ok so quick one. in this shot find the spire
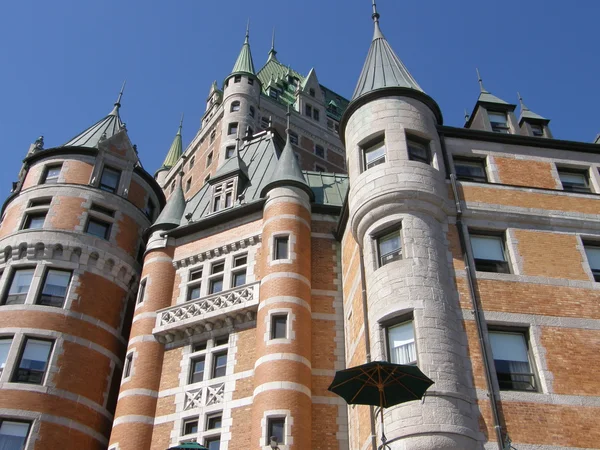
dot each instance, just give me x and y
(486, 96)
(287, 170)
(104, 129)
(176, 149)
(481, 88)
(526, 113)
(382, 68)
(244, 63)
(170, 217)
(272, 52)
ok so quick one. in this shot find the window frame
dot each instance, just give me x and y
(397, 229)
(106, 187)
(128, 366)
(585, 173)
(418, 142)
(221, 192)
(535, 127)
(499, 127)
(192, 372)
(232, 128)
(274, 318)
(53, 179)
(294, 138)
(215, 355)
(19, 421)
(371, 147)
(395, 322)
(479, 162)
(276, 241)
(235, 106)
(47, 270)
(237, 78)
(188, 421)
(596, 246)
(319, 151)
(142, 291)
(269, 428)
(19, 360)
(31, 216)
(96, 220)
(485, 264)
(13, 273)
(239, 269)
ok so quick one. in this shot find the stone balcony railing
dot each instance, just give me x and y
(216, 311)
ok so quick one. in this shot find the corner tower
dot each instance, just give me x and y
(398, 216)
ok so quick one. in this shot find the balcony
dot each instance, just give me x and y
(216, 311)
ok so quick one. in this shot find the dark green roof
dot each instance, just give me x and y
(526, 113)
(105, 128)
(170, 217)
(329, 188)
(244, 63)
(175, 151)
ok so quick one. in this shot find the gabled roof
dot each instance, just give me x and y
(526, 113)
(105, 128)
(175, 151)
(244, 63)
(382, 68)
(487, 97)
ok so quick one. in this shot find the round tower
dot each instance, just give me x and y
(282, 400)
(134, 417)
(397, 213)
(241, 94)
(71, 235)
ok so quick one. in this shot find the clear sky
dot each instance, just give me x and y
(62, 62)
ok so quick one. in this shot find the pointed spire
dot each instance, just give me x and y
(382, 68)
(171, 215)
(244, 63)
(526, 113)
(176, 149)
(117, 104)
(272, 52)
(481, 88)
(485, 95)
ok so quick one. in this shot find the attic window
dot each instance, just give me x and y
(223, 195)
(311, 92)
(499, 122)
(537, 130)
(274, 93)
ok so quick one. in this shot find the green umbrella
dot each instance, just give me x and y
(189, 445)
(380, 383)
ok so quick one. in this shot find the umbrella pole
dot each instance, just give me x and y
(383, 438)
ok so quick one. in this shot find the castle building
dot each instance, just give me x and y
(300, 233)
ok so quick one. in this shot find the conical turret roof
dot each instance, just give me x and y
(175, 151)
(171, 215)
(382, 68)
(244, 63)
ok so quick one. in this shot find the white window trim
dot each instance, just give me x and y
(289, 422)
(291, 247)
(290, 333)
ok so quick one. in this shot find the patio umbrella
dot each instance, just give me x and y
(380, 383)
(188, 445)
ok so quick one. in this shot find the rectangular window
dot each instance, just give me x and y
(274, 93)
(216, 285)
(217, 267)
(195, 274)
(223, 340)
(35, 202)
(293, 137)
(213, 422)
(19, 287)
(276, 430)
(209, 158)
(319, 168)
(142, 292)
(470, 169)
(537, 130)
(51, 174)
(389, 248)
(233, 128)
(150, 209)
(197, 370)
(55, 288)
(109, 181)
(98, 228)
(489, 254)
(264, 122)
(374, 154)
(193, 292)
(511, 359)
(199, 347)
(401, 343)
(279, 326)
(239, 276)
(320, 151)
(213, 443)
(418, 150)
(592, 250)
(574, 180)
(316, 114)
(34, 221)
(250, 80)
(219, 364)
(13, 434)
(281, 247)
(33, 362)
(308, 110)
(188, 184)
(229, 151)
(192, 161)
(228, 199)
(128, 366)
(237, 78)
(217, 203)
(5, 344)
(190, 426)
(102, 210)
(499, 122)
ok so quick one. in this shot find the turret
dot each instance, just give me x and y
(241, 94)
(173, 155)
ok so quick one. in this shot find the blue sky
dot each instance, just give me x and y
(63, 62)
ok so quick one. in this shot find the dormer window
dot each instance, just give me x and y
(311, 91)
(537, 130)
(274, 93)
(499, 122)
(308, 110)
(223, 195)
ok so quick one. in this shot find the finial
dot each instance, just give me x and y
(247, 30)
(272, 52)
(466, 116)
(375, 15)
(180, 124)
(523, 107)
(118, 102)
(481, 88)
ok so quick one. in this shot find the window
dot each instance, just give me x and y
(229, 151)
(5, 344)
(190, 426)
(232, 128)
(316, 114)
(172, 186)
(252, 111)
(35, 202)
(276, 430)
(511, 360)
(537, 129)
(34, 221)
(197, 370)
(237, 78)
(223, 195)
(109, 181)
(389, 248)
(192, 162)
(279, 326)
(250, 80)
(219, 364)
(311, 91)
(264, 122)
(239, 274)
(195, 274)
(19, 286)
(470, 169)
(319, 168)
(374, 154)
(293, 137)
(418, 150)
(215, 286)
(213, 134)
(209, 159)
(401, 343)
(498, 121)
(330, 124)
(235, 106)
(213, 422)
(55, 288)
(51, 174)
(193, 292)
(274, 93)
(13, 434)
(98, 228)
(308, 110)
(320, 151)
(213, 443)
(488, 251)
(33, 362)
(592, 250)
(128, 365)
(574, 180)
(102, 210)
(281, 247)
(188, 184)
(142, 291)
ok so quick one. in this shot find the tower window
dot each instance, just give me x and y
(209, 159)
(219, 364)
(276, 430)
(128, 365)
(252, 111)
(98, 228)
(13, 434)
(279, 326)
(229, 151)
(237, 78)
(293, 137)
(142, 291)
(5, 344)
(235, 106)
(489, 254)
(150, 209)
(250, 80)
(19, 287)
(51, 174)
(308, 110)
(537, 129)
(197, 370)
(213, 134)
(511, 360)
(109, 181)
(281, 247)
(418, 150)
(188, 184)
(470, 169)
(316, 114)
(33, 362)
(311, 91)
(232, 128)
(499, 122)
(34, 221)
(389, 248)
(374, 154)
(401, 343)
(574, 180)
(55, 288)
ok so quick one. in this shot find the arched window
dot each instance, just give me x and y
(252, 111)
(235, 106)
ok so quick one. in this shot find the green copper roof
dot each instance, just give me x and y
(329, 188)
(485, 96)
(244, 63)
(170, 217)
(382, 68)
(175, 151)
(526, 113)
